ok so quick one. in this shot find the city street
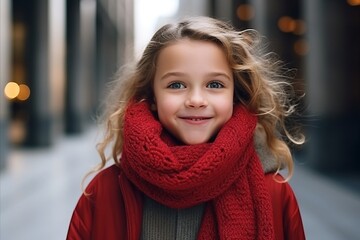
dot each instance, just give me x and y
(40, 188)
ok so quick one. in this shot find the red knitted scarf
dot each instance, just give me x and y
(226, 174)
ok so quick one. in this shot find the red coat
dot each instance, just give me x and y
(103, 215)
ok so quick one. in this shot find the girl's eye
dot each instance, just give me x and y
(176, 85)
(215, 85)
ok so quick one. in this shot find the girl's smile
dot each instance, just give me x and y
(196, 120)
(193, 88)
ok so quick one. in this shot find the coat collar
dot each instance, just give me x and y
(267, 158)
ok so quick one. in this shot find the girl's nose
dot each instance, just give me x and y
(196, 99)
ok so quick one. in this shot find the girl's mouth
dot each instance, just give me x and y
(193, 120)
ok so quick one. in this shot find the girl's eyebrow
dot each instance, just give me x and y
(219, 74)
(176, 74)
(182, 74)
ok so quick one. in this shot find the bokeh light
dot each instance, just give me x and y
(12, 90)
(287, 24)
(245, 12)
(353, 2)
(301, 47)
(24, 93)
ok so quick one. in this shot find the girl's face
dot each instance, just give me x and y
(193, 88)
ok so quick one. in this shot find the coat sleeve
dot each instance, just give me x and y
(84, 218)
(287, 218)
(81, 220)
(100, 212)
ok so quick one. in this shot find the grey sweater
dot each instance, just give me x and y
(161, 222)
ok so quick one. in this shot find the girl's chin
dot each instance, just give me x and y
(195, 140)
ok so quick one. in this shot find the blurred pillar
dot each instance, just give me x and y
(57, 74)
(221, 9)
(266, 20)
(114, 43)
(260, 20)
(5, 46)
(333, 87)
(40, 119)
(124, 23)
(73, 116)
(80, 63)
(106, 51)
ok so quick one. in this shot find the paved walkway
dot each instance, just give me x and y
(40, 188)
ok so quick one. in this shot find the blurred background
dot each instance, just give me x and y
(57, 57)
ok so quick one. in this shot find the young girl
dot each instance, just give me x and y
(196, 132)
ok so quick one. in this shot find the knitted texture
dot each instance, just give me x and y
(225, 173)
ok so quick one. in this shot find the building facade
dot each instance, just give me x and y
(56, 58)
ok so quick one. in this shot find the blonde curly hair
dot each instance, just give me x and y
(260, 84)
